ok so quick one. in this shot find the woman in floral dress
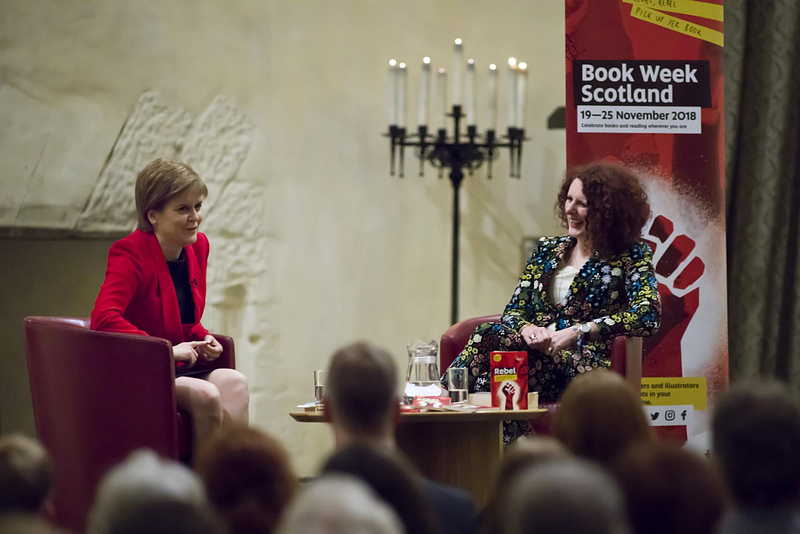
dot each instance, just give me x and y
(591, 285)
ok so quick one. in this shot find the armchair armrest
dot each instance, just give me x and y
(226, 360)
(626, 359)
(633, 362)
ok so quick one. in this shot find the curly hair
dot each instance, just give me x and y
(248, 477)
(618, 206)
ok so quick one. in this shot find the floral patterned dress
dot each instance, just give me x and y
(619, 294)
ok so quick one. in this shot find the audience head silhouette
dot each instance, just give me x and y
(248, 478)
(148, 494)
(756, 439)
(600, 416)
(670, 490)
(391, 478)
(361, 397)
(25, 474)
(565, 497)
(337, 504)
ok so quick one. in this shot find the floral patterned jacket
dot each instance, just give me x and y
(620, 294)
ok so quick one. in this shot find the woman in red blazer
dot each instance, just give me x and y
(156, 285)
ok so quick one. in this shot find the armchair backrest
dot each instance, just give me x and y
(96, 396)
(455, 338)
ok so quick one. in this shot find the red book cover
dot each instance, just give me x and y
(509, 382)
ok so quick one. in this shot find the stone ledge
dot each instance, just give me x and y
(23, 232)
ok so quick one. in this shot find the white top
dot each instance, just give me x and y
(558, 287)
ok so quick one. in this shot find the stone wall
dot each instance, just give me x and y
(279, 106)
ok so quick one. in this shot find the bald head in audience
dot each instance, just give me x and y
(565, 497)
(338, 504)
(146, 493)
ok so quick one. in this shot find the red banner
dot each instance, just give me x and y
(645, 89)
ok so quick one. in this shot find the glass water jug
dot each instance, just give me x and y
(423, 366)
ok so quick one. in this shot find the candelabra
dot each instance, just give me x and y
(458, 153)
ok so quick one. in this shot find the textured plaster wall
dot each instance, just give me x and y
(280, 106)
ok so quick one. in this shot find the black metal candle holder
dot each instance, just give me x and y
(456, 153)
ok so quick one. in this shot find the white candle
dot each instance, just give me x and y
(512, 92)
(470, 93)
(522, 78)
(492, 92)
(424, 89)
(401, 96)
(392, 92)
(455, 79)
(441, 99)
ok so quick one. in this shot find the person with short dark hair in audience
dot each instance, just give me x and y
(756, 440)
(26, 474)
(564, 497)
(600, 416)
(519, 457)
(362, 406)
(392, 479)
(670, 490)
(146, 493)
(248, 477)
(339, 504)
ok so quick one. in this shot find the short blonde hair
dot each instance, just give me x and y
(161, 181)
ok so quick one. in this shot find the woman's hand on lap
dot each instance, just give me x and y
(536, 337)
(187, 352)
(211, 349)
(563, 339)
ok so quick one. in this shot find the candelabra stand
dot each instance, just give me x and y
(456, 153)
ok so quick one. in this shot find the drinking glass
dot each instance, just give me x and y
(457, 383)
(319, 385)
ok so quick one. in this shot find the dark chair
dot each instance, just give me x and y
(97, 396)
(626, 359)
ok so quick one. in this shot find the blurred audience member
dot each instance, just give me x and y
(25, 523)
(149, 494)
(669, 490)
(520, 456)
(248, 477)
(600, 416)
(362, 405)
(756, 439)
(392, 479)
(337, 504)
(565, 497)
(25, 474)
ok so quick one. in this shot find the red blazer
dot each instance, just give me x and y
(138, 296)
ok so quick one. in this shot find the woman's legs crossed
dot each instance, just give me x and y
(234, 393)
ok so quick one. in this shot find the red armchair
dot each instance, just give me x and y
(626, 359)
(97, 396)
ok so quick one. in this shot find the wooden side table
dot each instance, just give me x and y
(458, 449)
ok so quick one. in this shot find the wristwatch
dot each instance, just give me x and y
(585, 331)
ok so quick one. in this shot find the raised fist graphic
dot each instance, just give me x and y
(511, 393)
(678, 271)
